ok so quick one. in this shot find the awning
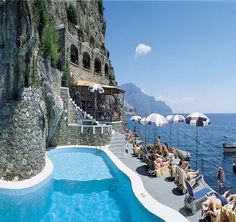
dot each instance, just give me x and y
(108, 90)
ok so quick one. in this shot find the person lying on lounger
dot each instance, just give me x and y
(159, 161)
(189, 174)
(213, 203)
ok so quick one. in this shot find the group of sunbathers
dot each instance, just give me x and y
(158, 155)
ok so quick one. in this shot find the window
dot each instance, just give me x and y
(74, 54)
(86, 60)
(106, 68)
(97, 66)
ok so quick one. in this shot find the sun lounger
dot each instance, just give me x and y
(181, 177)
(173, 173)
(193, 199)
(159, 172)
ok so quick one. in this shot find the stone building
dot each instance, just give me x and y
(83, 50)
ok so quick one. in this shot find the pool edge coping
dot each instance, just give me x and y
(31, 182)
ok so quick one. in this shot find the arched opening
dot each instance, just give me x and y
(74, 54)
(97, 65)
(86, 60)
(106, 68)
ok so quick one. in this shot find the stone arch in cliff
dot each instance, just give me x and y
(74, 55)
(86, 60)
(106, 69)
(97, 65)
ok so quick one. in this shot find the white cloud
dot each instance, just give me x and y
(164, 99)
(188, 98)
(142, 49)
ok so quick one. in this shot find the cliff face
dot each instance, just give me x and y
(33, 58)
(16, 44)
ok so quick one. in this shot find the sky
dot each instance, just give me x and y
(180, 52)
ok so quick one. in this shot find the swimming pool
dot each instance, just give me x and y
(85, 186)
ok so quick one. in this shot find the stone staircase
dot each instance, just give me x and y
(81, 115)
(118, 145)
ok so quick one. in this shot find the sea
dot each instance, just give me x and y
(210, 154)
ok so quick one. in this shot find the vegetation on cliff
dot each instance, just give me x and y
(50, 43)
(65, 74)
(72, 14)
(47, 32)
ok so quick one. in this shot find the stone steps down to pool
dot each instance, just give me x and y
(117, 144)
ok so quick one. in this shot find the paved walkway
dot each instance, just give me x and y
(161, 188)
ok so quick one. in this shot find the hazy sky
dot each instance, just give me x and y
(183, 53)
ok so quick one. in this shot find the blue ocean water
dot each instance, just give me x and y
(85, 186)
(210, 153)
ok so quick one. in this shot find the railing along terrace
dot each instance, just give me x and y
(105, 115)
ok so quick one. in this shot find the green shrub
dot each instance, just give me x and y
(100, 7)
(50, 44)
(72, 15)
(65, 75)
(41, 8)
(87, 29)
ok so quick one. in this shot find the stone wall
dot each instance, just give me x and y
(68, 133)
(80, 73)
(77, 70)
(23, 137)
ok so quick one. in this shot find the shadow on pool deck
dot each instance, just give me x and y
(169, 179)
(177, 192)
(142, 170)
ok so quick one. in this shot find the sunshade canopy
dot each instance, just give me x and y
(108, 90)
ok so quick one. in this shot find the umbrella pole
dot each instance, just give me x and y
(177, 135)
(154, 134)
(170, 134)
(197, 149)
(145, 131)
(95, 104)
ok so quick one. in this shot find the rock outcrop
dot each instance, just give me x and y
(30, 103)
(33, 55)
(142, 103)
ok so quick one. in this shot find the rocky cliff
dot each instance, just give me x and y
(142, 103)
(31, 68)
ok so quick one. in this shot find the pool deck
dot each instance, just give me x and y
(160, 188)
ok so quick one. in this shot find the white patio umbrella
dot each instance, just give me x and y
(175, 119)
(197, 119)
(157, 119)
(96, 88)
(136, 118)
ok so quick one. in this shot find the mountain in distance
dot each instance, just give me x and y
(142, 103)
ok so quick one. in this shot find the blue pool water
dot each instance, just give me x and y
(210, 154)
(85, 186)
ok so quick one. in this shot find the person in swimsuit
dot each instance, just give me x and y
(213, 203)
(220, 177)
